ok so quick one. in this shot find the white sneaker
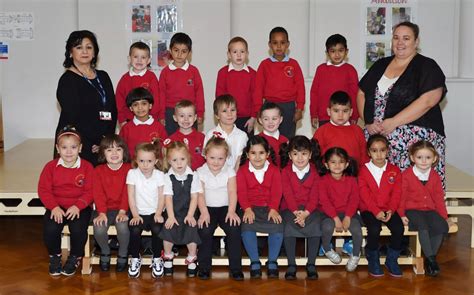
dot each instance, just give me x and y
(157, 269)
(352, 263)
(333, 256)
(134, 268)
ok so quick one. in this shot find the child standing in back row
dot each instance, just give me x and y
(139, 75)
(181, 80)
(334, 75)
(280, 80)
(238, 80)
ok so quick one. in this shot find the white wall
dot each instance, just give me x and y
(28, 80)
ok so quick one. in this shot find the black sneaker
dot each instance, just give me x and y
(55, 265)
(204, 274)
(168, 266)
(71, 265)
(105, 262)
(237, 275)
(192, 268)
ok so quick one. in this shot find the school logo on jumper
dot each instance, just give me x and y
(145, 85)
(79, 180)
(186, 141)
(391, 177)
(289, 71)
(190, 82)
(198, 150)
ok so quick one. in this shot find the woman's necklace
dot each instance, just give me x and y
(89, 73)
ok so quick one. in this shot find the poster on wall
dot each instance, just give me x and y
(17, 26)
(3, 50)
(381, 16)
(154, 22)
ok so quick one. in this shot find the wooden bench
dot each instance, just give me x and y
(414, 257)
(454, 200)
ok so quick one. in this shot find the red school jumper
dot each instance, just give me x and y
(279, 82)
(110, 188)
(275, 144)
(127, 83)
(179, 84)
(338, 196)
(195, 142)
(239, 84)
(386, 197)
(66, 187)
(297, 192)
(134, 134)
(251, 193)
(327, 80)
(350, 137)
(416, 196)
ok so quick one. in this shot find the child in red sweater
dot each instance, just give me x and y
(422, 206)
(339, 132)
(300, 201)
(139, 75)
(111, 199)
(339, 199)
(181, 80)
(238, 80)
(143, 127)
(185, 115)
(334, 75)
(65, 189)
(270, 117)
(259, 191)
(380, 188)
(280, 80)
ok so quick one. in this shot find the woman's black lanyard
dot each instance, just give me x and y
(99, 90)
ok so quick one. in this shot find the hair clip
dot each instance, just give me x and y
(166, 142)
(217, 134)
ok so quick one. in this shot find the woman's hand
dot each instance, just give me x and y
(95, 149)
(100, 220)
(374, 128)
(57, 214)
(274, 216)
(298, 115)
(72, 212)
(232, 218)
(249, 216)
(250, 124)
(388, 125)
(314, 123)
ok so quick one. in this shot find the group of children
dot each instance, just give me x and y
(182, 184)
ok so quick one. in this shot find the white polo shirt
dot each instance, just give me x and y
(195, 184)
(146, 189)
(236, 140)
(215, 186)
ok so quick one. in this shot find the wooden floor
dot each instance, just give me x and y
(24, 270)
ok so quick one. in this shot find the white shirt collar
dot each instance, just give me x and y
(329, 63)
(275, 134)
(184, 176)
(75, 165)
(423, 176)
(300, 173)
(147, 122)
(285, 59)
(259, 173)
(231, 67)
(345, 124)
(132, 73)
(376, 172)
(184, 67)
(224, 134)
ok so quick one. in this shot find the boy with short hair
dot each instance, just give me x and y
(270, 117)
(143, 127)
(334, 75)
(139, 75)
(180, 80)
(280, 80)
(225, 111)
(339, 132)
(238, 80)
(185, 116)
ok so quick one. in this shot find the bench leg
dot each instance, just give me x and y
(472, 230)
(419, 267)
(86, 266)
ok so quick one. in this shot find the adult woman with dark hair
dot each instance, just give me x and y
(86, 95)
(399, 97)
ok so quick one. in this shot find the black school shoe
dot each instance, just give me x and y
(237, 275)
(105, 262)
(204, 274)
(71, 265)
(311, 272)
(432, 267)
(55, 268)
(255, 273)
(272, 273)
(291, 272)
(121, 266)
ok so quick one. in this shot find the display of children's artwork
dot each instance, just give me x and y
(167, 18)
(374, 51)
(141, 18)
(376, 19)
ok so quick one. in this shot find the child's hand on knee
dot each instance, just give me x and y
(170, 222)
(249, 216)
(190, 220)
(338, 224)
(72, 212)
(274, 216)
(232, 218)
(57, 214)
(346, 222)
(121, 216)
(158, 218)
(405, 220)
(136, 220)
(100, 220)
(204, 219)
